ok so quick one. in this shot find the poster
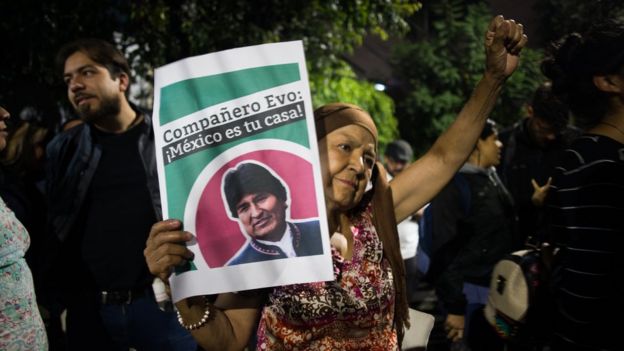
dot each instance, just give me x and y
(238, 163)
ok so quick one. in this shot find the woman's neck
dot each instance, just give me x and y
(341, 237)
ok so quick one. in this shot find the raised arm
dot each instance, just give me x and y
(231, 320)
(423, 179)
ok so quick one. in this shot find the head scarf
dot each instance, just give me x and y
(337, 115)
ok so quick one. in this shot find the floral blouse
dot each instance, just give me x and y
(21, 327)
(353, 312)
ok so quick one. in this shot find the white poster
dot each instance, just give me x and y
(238, 164)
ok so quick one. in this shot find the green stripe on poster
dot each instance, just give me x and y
(191, 95)
(182, 174)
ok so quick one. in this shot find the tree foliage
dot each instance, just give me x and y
(559, 17)
(442, 69)
(32, 32)
(156, 32)
(329, 28)
(345, 87)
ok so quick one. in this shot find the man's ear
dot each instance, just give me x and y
(478, 145)
(611, 83)
(124, 82)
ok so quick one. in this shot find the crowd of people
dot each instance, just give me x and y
(483, 194)
(541, 182)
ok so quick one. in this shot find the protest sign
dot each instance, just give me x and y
(238, 164)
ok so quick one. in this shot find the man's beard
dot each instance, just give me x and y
(109, 106)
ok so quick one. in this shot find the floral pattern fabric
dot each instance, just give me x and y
(21, 327)
(353, 312)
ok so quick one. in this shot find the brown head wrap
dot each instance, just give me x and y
(336, 115)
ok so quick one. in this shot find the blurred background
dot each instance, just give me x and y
(412, 64)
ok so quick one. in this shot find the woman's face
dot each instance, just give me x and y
(347, 158)
(4, 116)
(489, 151)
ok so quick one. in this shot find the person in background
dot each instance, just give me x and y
(103, 196)
(364, 307)
(472, 225)
(397, 156)
(22, 188)
(531, 147)
(22, 180)
(21, 326)
(586, 202)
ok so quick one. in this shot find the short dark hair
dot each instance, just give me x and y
(575, 59)
(98, 50)
(250, 178)
(549, 108)
(488, 129)
(399, 150)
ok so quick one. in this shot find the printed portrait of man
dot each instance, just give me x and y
(258, 200)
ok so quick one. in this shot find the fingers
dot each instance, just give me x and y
(514, 32)
(515, 50)
(163, 258)
(505, 33)
(178, 237)
(495, 22)
(540, 192)
(544, 187)
(517, 39)
(166, 231)
(455, 334)
(168, 225)
(458, 335)
(165, 248)
(509, 33)
(536, 186)
(454, 326)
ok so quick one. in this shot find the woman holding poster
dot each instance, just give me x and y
(364, 307)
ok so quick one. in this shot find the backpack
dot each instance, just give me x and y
(518, 304)
(425, 229)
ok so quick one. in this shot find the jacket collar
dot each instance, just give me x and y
(273, 250)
